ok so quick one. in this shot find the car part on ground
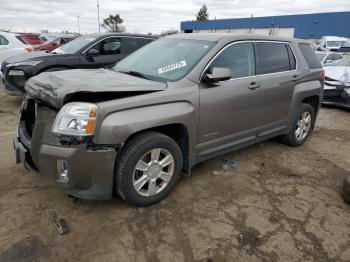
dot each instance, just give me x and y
(172, 104)
(337, 86)
(59, 222)
(110, 48)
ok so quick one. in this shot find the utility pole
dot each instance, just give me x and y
(98, 16)
(78, 24)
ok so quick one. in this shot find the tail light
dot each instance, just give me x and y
(29, 49)
(323, 75)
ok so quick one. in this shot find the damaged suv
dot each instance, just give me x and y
(136, 129)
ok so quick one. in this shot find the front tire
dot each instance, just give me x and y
(302, 126)
(149, 169)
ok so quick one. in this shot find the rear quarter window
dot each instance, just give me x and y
(273, 57)
(310, 56)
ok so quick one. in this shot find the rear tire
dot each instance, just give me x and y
(302, 126)
(345, 190)
(149, 168)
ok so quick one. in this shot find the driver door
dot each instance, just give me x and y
(230, 111)
(110, 53)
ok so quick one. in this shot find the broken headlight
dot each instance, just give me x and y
(75, 119)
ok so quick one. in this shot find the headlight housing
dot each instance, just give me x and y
(75, 119)
(25, 63)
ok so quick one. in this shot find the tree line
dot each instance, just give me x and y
(113, 23)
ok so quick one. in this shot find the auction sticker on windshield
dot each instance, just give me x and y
(168, 68)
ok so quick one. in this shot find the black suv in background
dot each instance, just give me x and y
(89, 51)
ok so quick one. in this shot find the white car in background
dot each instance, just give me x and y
(10, 45)
(328, 58)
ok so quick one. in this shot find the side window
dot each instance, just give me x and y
(330, 57)
(272, 58)
(310, 56)
(338, 56)
(237, 57)
(3, 40)
(292, 61)
(110, 46)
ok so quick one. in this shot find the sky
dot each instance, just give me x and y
(144, 16)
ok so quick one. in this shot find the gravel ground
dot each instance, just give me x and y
(281, 204)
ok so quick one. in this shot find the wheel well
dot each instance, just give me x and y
(178, 132)
(312, 101)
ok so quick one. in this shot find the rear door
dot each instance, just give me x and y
(110, 52)
(277, 75)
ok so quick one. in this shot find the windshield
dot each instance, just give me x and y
(320, 56)
(74, 46)
(345, 62)
(333, 44)
(167, 59)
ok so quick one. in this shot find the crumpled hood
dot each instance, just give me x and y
(54, 87)
(340, 74)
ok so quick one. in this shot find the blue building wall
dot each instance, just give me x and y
(306, 25)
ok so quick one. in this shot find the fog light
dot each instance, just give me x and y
(62, 171)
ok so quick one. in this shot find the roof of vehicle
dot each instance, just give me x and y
(324, 52)
(28, 34)
(219, 36)
(8, 34)
(123, 34)
(331, 38)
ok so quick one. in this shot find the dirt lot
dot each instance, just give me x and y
(281, 204)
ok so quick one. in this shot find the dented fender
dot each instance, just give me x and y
(118, 126)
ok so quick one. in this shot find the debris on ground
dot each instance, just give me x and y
(60, 224)
(294, 174)
(226, 168)
(345, 190)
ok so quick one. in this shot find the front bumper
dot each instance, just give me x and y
(88, 168)
(336, 95)
(14, 83)
(90, 172)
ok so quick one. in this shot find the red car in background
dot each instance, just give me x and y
(53, 44)
(31, 39)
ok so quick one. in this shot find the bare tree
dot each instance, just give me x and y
(113, 23)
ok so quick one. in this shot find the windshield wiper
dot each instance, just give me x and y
(136, 73)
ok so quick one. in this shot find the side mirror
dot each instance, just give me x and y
(93, 52)
(218, 74)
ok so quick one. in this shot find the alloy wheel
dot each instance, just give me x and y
(303, 126)
(153, 172)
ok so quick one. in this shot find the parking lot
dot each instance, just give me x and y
(280, 204)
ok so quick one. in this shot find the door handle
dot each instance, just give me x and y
(253, 86)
